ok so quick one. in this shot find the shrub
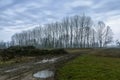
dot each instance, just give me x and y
(17, 51)
(58, 51)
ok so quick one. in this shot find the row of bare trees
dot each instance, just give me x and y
(71, 32)
(4, 45)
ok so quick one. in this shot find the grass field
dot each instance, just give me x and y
(90, 67)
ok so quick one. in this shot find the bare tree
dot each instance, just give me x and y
(71, 32)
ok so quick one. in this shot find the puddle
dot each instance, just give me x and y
(44, 74)
(48, 60)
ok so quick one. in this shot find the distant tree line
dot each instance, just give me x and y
(4, 45)
(71, 32)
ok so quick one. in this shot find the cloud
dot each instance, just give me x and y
(76, 6)
(23, 13)
(6, 36)
(4, 3)
(113, 21)
(20, 28)
(99, 4)
(1, 29)
(76, 3)
(11, 30)
(18, 15)
(106, 6)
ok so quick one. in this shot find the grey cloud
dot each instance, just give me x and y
(20, 14)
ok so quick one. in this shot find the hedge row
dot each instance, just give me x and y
(12, 52)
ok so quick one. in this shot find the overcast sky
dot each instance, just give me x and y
(18, 15)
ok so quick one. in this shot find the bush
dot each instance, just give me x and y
(17, 51)
(21, 47)
(58, 51)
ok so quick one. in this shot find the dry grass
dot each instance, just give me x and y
(15, 61)
(111, 52)
(78, 50)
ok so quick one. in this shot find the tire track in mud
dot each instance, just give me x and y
(26, 72)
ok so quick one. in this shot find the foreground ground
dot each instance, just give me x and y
(90, 67)
(94, 64)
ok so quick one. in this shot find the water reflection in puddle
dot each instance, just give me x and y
(44, 74)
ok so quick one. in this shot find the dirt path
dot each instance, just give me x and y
(26, 71)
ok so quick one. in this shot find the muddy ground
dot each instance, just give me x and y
(27, 70)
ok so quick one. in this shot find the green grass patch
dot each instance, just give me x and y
(89, 67)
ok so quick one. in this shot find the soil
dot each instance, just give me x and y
(27, 70)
